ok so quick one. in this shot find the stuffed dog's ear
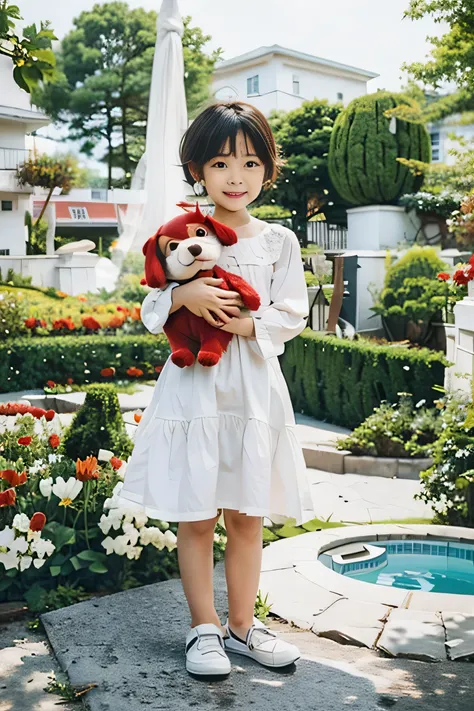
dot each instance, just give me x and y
(225, 234)
(154, 273)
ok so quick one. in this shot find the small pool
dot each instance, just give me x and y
(434, 566)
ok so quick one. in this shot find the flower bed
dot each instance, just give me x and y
(27, 363)
(342, 381)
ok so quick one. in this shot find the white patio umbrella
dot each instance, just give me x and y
(158, 172)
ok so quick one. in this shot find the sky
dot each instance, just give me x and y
(368, 34)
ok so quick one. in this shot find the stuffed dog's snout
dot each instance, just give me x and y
(195, 249)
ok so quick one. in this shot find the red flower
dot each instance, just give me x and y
(464, 275)
(116, 462)
(134, 372)
(54, 441)
(49, 415)
(90, 323)
(159, 368)
(70, 381)
(50, 383)
(120, 308)
(42, 323)
(137, 417)
(17, 408)
(143, 282)
(8, 497)
(37, 521)
(26, 441)
(107, 372)
(13, 477)
(444, 276)
(116, 322)
(30, 322)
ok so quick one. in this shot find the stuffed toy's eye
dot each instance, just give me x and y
(201, 232)
(173, 246)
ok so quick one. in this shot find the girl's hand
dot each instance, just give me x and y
(204, 298)
(240, 327)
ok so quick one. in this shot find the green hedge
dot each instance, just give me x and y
(29, 362)
(342, 381)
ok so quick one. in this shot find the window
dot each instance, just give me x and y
(99, 195)
(435, 146)
(252, 85)
(78, 213)
(7, 205)
(296, 85)
(4, 252)
(340, 96)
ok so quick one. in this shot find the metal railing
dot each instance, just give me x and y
(11, 158)
(327, 236)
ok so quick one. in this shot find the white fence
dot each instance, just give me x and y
(327, 236)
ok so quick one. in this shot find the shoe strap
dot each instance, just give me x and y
(257, 630)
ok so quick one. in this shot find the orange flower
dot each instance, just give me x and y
(107, 372)
(54, 441)
(8, 497)
(87, 469)
(25, 441)
(50, 383)
(13, 477)
(37, 521)
(116, 462)
(116, 321)
(70, 381)
(136, 313)
(134, 372)
(61, 294)
(90, 323)
(159, 368)
(30, 322)
(42, 323)
(81, 297)
(137, 417)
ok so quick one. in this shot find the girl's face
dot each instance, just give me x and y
(233, 182)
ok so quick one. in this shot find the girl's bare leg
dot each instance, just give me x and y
(196, 566)
(243, 559)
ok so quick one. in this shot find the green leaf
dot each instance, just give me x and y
(269, 535)
(45, 55)
(35, 596)
(78, 564)
(98, 568)
(93, 556)
(55, 570)
(67, 568)
(18, 77)
(60, 535)
(5, 583)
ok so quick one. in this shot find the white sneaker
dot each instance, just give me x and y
(261, 644)
(205, 651)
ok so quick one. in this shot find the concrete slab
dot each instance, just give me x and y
(414, 634)
(351, 622)
(459, 634)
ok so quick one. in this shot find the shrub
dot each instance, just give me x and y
(98, 424)
(398, 430)
(29, 362)
(12, 315)
(449, 484)
(130, 289)
(412, 295)
(363, 152)
(342, 381)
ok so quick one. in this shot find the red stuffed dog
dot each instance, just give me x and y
(196, 246)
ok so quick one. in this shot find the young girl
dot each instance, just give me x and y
(223, 437)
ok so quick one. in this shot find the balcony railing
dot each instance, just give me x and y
(11, 158)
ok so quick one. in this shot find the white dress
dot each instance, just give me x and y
(224, 436)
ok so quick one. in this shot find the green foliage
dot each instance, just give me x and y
(130, 289)
(12, 315)
(442, 204)
(303, 187)
(133, 263)
(398, 430)
(412, 295)
(342, 381)
(102, 91)
(270, 212)
(30, 51)
(98, 424)
(261, 607)
(29, 362)
(37, 239)
(449, 484)
(363, 154)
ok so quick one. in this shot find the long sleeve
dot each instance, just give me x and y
(156, 306)
(285, 316)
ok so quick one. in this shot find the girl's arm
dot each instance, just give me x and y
(156, 308)
(285, 316)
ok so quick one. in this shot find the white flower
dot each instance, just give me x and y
(25, 562)
(140, 519)
(53, 458)
(37, 466)
(109, 545)
(406, 367)
(134, 552)
(105, 524)
(67, 490)
(19, 545)
(10, 560)
(45, 486)
(105, 455)
(420, 403)
(170, 540)
(121, 545)
(131, 532)
(7, 536)
(21, 522)
(42, 547)
(38, 562)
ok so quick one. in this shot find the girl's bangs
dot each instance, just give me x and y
(224, 134)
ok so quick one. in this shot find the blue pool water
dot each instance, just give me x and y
(434, 566)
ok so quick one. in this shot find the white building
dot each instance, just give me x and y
(441, 143)
(278, 78)
(17, 118)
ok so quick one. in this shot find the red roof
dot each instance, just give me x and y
(95, 211)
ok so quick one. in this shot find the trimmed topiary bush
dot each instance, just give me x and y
(363, 151)
(98, 424)
(343, 381)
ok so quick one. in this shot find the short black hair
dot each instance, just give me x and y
(207, 136)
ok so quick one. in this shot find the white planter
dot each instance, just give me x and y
(470, 289)
(376, 227)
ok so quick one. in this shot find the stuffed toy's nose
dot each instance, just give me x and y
(195, 249)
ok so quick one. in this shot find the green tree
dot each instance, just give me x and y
(303, 186)
(34, 60)
(48, 172)
(102, 92)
